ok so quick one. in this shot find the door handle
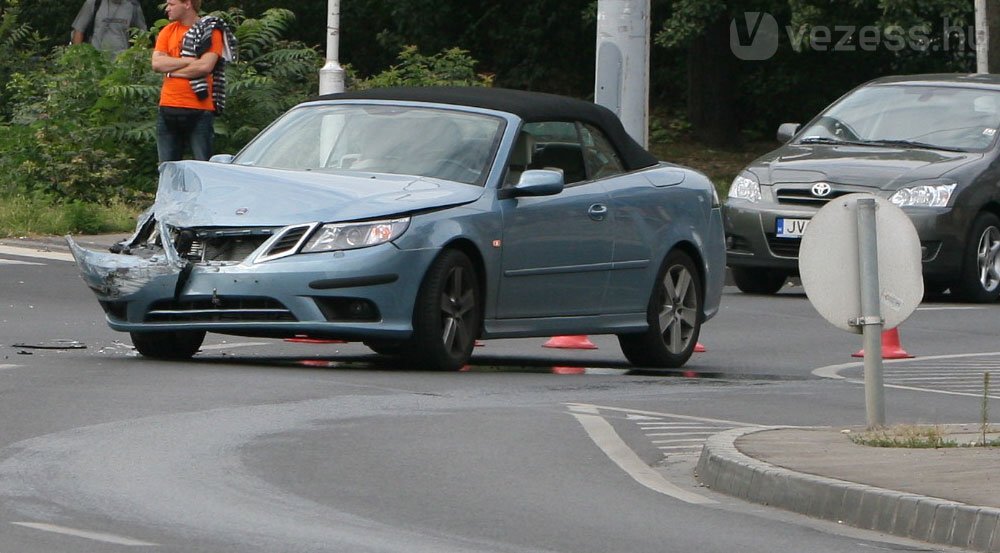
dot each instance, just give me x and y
(597, 212)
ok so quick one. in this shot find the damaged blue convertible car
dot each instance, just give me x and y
(418, 221)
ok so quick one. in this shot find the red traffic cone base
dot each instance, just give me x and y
(891, 348)
(698, 348)
(569, 342)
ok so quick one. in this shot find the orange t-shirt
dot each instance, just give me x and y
(176, 91)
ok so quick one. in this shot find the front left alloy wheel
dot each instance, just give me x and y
(448, 314)
(674, 316)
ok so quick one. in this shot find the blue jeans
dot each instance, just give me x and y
(176, 128)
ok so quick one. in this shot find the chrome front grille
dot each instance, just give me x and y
(804, 196)
(219, 309)
(288, 242)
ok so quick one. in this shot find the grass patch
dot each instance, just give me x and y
(721, 165)
(34, 216)
(926, 437)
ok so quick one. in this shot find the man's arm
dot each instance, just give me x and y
(199, 67)
(82, 21)
(162, 62)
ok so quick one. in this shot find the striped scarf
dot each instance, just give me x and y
(196, 42)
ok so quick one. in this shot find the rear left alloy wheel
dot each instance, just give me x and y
(980, 281)
(174, 344)
(448, 314)
(674, 316)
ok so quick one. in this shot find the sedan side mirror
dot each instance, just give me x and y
(786, 131)
(537, 182)
(221, 158)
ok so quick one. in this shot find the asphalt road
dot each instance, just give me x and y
(266, 445)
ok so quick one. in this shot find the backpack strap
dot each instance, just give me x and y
(88, 33)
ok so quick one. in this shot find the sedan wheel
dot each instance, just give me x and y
(758, 281)
(448, 315)
(674, 316)
(177, 344)
(981, 273)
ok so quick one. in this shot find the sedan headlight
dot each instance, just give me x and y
(745, 187)
(925, 195)
(351, 236)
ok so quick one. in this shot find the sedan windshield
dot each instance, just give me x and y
(933, 117)
(436, 143)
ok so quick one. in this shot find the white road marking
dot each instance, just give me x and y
(945, 376)
(595, 409)
(7, 367)
(95, 536)
(28, 252)
(604, 435)
(14, 262)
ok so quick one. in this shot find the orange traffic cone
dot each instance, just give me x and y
(569, 342)
(891, 348)
(569, 370)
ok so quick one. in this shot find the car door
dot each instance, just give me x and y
(556, 250)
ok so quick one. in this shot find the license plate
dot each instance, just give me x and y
(791, 228)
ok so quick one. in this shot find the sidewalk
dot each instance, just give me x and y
(947, 496)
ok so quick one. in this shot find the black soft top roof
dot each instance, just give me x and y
(529, 106)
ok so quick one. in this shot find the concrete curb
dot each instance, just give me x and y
(724, 468)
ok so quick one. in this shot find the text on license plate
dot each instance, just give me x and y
(791, 228)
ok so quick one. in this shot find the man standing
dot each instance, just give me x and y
(105, 23)
(192, 53)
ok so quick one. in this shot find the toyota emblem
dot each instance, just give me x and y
(821, 189)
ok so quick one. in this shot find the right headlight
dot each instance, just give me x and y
(745, 187)
(925, 195)
(351, 236)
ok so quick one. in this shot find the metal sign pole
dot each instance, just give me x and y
(871, 316)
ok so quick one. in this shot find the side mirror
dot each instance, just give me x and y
(537, 182)
(221, 158)
(786, 131)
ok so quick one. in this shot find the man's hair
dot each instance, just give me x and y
(196, 4)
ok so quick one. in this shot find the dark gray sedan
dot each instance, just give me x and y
(418, 220)
(928, 143)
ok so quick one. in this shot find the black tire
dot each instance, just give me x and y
(448, 314)
(175, 344)
(386, 347)
(752, 280)
(674, 316)
(980, 280)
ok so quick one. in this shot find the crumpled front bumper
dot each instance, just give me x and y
(300, 294)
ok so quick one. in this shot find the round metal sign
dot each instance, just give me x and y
(829, 266)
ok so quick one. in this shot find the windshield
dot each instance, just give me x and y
(424, 142)
(940, 117)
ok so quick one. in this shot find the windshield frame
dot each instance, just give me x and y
(489, 165)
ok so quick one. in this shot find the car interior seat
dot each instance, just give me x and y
(567, 157)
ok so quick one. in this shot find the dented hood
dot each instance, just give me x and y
(198, 193)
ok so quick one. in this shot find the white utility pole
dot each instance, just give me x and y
(982, 38)
(331, 77)
(622, 68)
